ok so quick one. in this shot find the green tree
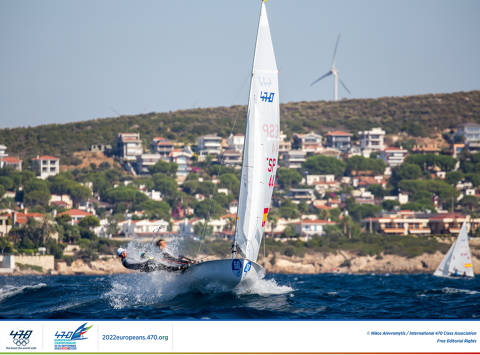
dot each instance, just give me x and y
(453, 177)
(319, 164)
(165, 184)
(6, 246)
(405, 171)
(288, 209)
(89, 222)
(37, 198)
(473, 178)
(78, 193)
(288, 178)
(202, 230)
(163, 167)
(377, 190)
(389, 205)
(360, 211)
(290, 231)
(209, 208)
(469, 203)
(359, 163)
(428, 161)
(230, 182)
(156, 209)
(7, 182)
(125, 194)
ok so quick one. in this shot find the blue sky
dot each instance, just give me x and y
(64, 61)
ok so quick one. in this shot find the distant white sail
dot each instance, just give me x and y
(458, 260)
(260, 154)
(442, 269)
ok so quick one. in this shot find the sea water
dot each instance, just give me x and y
(166, 296)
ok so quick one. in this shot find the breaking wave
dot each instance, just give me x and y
(8, 291)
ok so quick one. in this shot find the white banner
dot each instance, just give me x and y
(382, 337)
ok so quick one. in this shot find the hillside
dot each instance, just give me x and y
(421, 115)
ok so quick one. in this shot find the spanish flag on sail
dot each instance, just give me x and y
(265, 213)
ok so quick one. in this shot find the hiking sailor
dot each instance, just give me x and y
(166, 262)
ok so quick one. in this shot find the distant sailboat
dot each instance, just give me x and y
(458, 260)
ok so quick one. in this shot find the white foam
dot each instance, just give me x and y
(459, 290)
(145, 289)
(158, 287)
(263, 287)
(12, 290)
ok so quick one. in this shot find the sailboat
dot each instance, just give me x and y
(259, 166)
(458, 260)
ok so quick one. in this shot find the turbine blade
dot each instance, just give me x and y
(335, 50)
(322, 77)
(344, 86)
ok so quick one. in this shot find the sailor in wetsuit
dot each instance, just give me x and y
(167, 261)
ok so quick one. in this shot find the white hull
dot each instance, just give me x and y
(225, 273)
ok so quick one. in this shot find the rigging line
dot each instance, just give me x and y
(220, 164)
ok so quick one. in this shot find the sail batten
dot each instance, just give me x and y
(260, 155)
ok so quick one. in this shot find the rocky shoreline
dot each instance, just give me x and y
(313, 263)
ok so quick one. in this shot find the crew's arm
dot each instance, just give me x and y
(142, 266)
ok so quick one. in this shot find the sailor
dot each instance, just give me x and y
(148, 265)
(167, 261)
(169, 258)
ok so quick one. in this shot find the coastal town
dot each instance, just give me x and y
(334, 183)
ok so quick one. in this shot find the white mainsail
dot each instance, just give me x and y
(458, 260)
(260, 153)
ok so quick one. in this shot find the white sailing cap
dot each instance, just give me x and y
(120, 251)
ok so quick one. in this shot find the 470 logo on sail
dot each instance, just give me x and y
(267, 96)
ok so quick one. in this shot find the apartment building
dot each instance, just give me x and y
(46, 165)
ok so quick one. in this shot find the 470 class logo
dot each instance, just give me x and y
(21, 337)
(76, 335)
(67, 340)
(267, 96)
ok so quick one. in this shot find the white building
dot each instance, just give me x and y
(320, 179)
(299, 195)
(182, 158)
(372, 139)
(311, 227)
(284, 146)
(61, 200)
(235, 142)
(3, 151)
(232, 158)
(470, 132)
(209, 145)
(46, 166)
(339, 140)
(129, 145)
(12, 162)
(76, 215)
(146, 161)
(140, 228)
(309, 142)
(162, 146)
(295, 158)
(393, 156)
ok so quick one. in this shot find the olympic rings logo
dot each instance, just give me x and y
(21, 342)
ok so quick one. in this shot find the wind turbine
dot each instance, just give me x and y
(333, 71)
